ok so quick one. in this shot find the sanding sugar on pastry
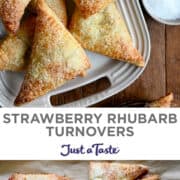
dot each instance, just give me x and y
(13, 49)
(56, 57)
(58, 6)
(116, 171)
(106, 33)
(11, 12)
(89, 7)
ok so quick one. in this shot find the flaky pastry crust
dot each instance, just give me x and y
(56, 57)
(106, 33)
(11, 12)
(58, 6)
(116, 171)
(163, 101)
(88, 8)
(13, 48)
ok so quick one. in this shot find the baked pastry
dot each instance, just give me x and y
(162, 102)
(151, 177)
(11, 12)
(116, 171)
(56, 57)
(106, 33)
(19, 176)
(58, 6)
(88, 8)
(13, 48)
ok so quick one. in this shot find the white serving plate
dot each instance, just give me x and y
(120, 74)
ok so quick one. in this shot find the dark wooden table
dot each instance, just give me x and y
(161, 76)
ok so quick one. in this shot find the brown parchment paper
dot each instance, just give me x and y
(78, 170)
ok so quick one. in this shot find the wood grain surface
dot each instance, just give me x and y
(161, 76)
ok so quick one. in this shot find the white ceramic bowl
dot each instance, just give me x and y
(159, 19)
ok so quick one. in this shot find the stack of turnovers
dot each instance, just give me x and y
(15, 47)
(39, 43)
